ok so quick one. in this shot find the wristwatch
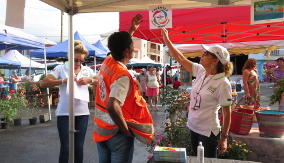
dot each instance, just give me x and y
(225, 136)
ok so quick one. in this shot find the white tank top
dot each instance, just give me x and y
(152, 81)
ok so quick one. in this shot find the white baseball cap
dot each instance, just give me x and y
(221, 52)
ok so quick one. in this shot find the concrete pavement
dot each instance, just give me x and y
(40, 143)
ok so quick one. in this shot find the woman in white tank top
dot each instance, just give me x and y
(152, 87)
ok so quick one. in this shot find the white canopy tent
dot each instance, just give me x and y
(14, 55)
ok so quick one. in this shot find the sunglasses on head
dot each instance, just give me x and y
(78, 60)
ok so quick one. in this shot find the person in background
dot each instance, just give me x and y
(82, 77)
(132, 72)
(277, 73)
(270, 80)
(159, 73)
(142, 80)
(167, 68)
(152, 87)
(210, 91)
(251, 83)
(121, 112)
(134, 76)
(14, 80)
(281, 103)
(27, 76)
(176, 76)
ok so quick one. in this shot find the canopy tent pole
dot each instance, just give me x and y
(70, 84)
(95, 63)
(47, 89)
(164, 71)
(30, 65)
(236, 65)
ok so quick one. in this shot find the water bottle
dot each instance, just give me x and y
(200, 153)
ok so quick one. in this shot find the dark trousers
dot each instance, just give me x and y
(81, 123)
(209, 143)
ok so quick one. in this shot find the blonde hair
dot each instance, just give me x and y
(227, 68)
(80, 48)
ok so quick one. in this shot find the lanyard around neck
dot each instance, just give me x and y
(202, 85)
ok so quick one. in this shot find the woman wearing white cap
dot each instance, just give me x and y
(210, 91)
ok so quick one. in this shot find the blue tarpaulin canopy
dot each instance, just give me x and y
(101, 46)
(61, 49)
(13, 39)
(7, 64)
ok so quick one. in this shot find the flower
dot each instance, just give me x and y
(236, 150)
(162, 86)
(11, 105)
(175, 133)
(33, 105)
(176, 84)
(29, 86)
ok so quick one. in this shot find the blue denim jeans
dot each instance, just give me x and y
(209, 143)
(81, 123)
(118, 149)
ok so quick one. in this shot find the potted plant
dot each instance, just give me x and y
(174, 99)
(236, 150)
(32, 106)
(8, 108)
(20, 103)
(175, 133)
(31, 88)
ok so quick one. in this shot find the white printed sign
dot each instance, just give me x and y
(160, 16)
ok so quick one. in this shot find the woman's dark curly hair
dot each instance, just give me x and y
(280, 59)
(250, 63)
(117, 43)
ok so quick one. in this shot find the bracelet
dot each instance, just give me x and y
(225, 136)
(62, 81)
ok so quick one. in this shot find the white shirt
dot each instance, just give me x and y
(120, 88)
(132, 73)
(80, 107)
(28, 78)
(216, 91)
(152, 81)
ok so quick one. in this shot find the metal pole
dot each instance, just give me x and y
(47, 89)
(165, 74)
(70, 83)
(61, 32)
(95, 63)
(30, 68)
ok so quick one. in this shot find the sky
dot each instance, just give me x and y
(43, 20)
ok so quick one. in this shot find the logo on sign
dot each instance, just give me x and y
(160, 17)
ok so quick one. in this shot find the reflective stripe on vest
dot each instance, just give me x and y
(105, 132)
(105, 117)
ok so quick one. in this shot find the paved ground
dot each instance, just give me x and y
(40, 143)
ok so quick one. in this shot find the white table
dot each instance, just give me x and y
(192, 159)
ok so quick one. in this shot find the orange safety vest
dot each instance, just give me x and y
(135, 111)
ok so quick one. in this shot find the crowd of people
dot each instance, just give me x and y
(121, 111)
